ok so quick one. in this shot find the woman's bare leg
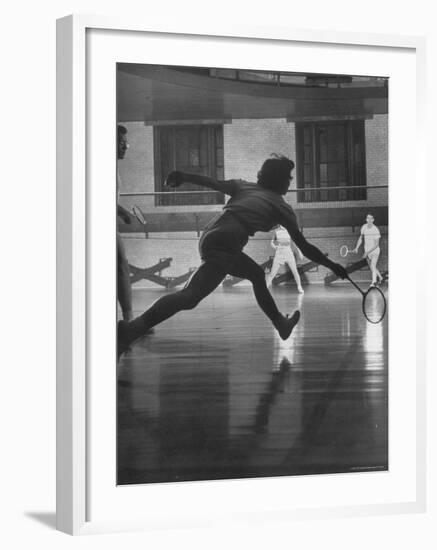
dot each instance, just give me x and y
(207, 277)
(273, 271)
(293, 267)
(246, 268)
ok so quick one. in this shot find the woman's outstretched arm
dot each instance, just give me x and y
(177, 178)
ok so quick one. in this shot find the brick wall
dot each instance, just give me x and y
(377, 152)
(247, 143)
(136, 169)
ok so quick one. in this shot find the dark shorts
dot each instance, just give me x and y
(223, 240)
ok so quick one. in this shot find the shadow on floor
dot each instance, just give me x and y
(46, 518)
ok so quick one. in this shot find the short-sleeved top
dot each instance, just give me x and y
(258, 209)
(371, 236)
(282, 238)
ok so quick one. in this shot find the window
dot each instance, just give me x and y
(197, 149)
(331, 154)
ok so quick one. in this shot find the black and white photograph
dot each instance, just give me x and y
(221, 218)
(252, 273)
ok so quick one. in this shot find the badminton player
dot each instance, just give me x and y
(371, 236)
(252, 207)
(284, 255)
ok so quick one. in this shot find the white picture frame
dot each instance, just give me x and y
(73, 210)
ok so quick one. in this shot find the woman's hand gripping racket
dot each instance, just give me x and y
(374, 304)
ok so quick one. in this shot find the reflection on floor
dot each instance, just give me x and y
(215, 394)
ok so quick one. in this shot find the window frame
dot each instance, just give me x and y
(213, 165)
(322, 193)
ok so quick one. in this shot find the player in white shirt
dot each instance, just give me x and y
(371, 235)
(284, 255)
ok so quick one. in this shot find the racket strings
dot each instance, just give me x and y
(374, 305)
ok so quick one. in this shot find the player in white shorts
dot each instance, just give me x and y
(371, 235)
(284, 255)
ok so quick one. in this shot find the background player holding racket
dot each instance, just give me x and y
(252, 207)
(284, 254)
(371, 235)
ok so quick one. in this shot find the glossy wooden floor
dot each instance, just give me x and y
(215, 394)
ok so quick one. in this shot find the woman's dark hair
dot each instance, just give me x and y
(121, 130)
(275, 173)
